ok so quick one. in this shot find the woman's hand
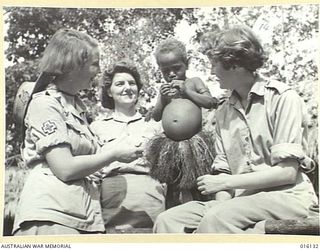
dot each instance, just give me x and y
(210, 184)
(126, 148)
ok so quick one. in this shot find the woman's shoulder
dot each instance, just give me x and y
(278, 90)
(152, 127)
(43, 100)
(278, 86)
(100, 124)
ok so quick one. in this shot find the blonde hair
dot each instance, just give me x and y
(67, 50)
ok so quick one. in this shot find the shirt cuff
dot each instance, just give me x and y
(220, 168)
(283, 151)
(46, 143)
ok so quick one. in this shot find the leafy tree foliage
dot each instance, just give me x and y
(129, 33)
(289, 34)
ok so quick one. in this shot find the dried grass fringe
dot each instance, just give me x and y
(180, 163)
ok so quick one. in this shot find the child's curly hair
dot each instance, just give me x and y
(122, 66)
(237, 46)
(172, 44)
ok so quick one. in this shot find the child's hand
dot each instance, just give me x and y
(179, 85)
(167, 91)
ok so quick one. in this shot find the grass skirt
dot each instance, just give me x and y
(180, 163)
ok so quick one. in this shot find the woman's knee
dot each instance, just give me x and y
(221, 214)
(162, 222)
(165, 216)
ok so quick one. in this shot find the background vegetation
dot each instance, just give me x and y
(289, 33)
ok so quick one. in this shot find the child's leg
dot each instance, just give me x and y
(242, 213)
(176, 219)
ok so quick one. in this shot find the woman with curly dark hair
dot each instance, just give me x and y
(130, 197)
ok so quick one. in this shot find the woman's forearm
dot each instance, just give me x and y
(282, 174)
(68, 167)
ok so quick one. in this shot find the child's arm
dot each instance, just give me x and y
(195, 90)
(158, 108)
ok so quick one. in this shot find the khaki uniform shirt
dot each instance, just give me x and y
(114, 127)
(55, 118)
(270, 129)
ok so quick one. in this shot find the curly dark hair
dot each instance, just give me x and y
(237, 46)
(122, 66)
(169, 45)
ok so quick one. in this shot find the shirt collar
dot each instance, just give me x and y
(70, 103)
(258, 88)
(125, 119)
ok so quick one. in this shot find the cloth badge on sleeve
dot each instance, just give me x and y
(49, 127)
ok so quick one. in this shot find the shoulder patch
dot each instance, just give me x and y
(49, 127)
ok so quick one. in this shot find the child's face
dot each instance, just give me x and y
(172, 66)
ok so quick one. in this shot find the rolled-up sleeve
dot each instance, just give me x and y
(45, 124)
(288, 128)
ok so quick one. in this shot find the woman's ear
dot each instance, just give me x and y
(109, 92)
(238, 68)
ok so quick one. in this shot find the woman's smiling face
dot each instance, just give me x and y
(123, 89)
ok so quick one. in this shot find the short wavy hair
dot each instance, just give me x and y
(237, 46)
(122, 66)
(169, 45)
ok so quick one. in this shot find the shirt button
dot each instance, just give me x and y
(246, 138)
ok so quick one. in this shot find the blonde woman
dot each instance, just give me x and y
(57, 198)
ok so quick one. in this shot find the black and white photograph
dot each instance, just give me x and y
(167, 120)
